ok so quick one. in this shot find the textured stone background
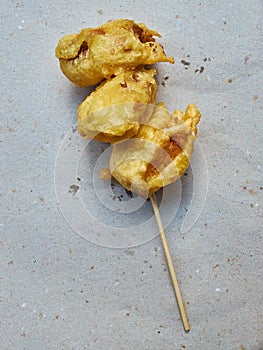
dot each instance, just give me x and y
(58, 290)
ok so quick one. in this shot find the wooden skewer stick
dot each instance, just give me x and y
(170, 265)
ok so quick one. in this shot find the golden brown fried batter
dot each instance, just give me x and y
(115, 110)
(160, 152)
(94, 54)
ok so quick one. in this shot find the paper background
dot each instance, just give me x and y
(59, 291)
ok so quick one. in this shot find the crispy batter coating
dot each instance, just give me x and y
(160, 152)
(97, 53)
(115, 110)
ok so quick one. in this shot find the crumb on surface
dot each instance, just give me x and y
(105, 174)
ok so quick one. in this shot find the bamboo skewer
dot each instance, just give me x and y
(170, 265)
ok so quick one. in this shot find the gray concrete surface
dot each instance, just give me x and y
(59, 290)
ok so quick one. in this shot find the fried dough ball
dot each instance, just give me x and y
(94, 54)
(115, 110)
(160, 152)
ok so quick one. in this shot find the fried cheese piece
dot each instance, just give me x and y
(115, 110)
(160, 152)
(97, 53)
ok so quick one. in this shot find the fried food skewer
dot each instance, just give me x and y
(161, 144)
(170, 265)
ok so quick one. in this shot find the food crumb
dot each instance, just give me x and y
(105, 174)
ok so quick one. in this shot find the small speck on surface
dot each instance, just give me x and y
(73, 189)
(186, 64)
(247, 58)
(129, 193)
(200, 70)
